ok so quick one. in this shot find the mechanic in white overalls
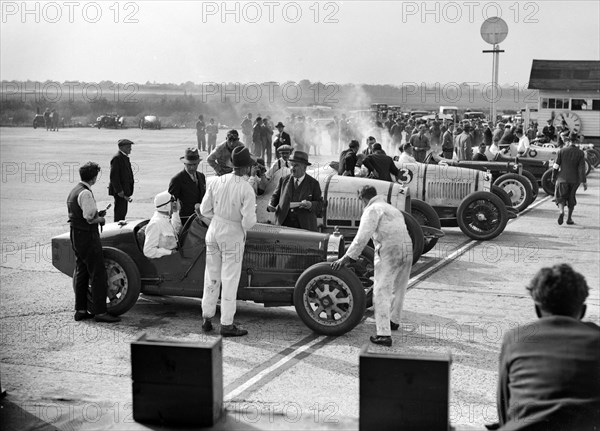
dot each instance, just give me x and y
(231, 204)
(163, 229)
(393, 259)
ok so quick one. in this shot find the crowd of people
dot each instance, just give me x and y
(228, 205)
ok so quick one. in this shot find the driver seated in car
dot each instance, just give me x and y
(163, 229)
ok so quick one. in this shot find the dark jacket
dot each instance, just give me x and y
(285, 194)
(348, 160)
(187, 192)
(283, 139)
(549, 376)
(121, 175)
(381, 165)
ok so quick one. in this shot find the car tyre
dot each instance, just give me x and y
(533, 182)
(328, 301)
(547, 183)
(416, 235)
(482, 216)
(518, 188)
(425, 216)
(124, 281)
(504, 197)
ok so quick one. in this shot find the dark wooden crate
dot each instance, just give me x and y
(404, 392)
(179, 383)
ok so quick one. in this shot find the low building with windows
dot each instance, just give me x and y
(569, 94)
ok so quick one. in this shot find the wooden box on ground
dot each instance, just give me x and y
(177, 383)
(403, 392)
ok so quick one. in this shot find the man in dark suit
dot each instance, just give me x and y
(121, 179)
(297, 201)
(189, 185)
(549, 374)
(283, 138)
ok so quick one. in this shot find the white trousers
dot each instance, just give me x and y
(392, 271)
(224, 254)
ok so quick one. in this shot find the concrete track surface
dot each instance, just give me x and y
(61, 374)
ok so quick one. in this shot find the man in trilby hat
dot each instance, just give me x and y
(230, 203)
(189, 185)
(297, 201)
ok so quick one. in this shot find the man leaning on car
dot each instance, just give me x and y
(84, 219)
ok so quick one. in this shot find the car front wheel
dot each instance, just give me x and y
(330, 302)
(425, 216)
(518, 188)
(547, 183)
(482, 216)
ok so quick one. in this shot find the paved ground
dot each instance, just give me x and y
(58, 373)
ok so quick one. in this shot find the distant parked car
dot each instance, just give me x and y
(110, 120)
(472, 115)
(38, 121)
(150, 122)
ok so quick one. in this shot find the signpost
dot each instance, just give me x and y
(494, 30)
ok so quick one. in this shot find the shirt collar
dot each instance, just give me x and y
(299, 179)
(125, 154)
(376, 199)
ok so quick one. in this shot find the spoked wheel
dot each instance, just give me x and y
(518, 188)
(330, 302)
(482, 216)
(425, 216)
(533, 182)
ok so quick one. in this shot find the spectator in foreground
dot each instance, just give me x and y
(549, 375)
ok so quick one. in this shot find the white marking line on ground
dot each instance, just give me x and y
(465, 248)
(235, 392)
(240, 389)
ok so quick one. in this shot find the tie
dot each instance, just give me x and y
(297, 184)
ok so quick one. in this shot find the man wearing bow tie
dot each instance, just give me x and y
(297, 201)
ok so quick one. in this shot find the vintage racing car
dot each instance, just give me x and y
(39, 121)
(150, 122)
(281, 267)
(110, 120)
(520, 185)
(459, 196)
(343, 209)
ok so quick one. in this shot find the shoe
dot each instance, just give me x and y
(207, 325)
(569, 221)
(232, 331)
(561, 218)
(82, 316)
(394, 326)
(106, 318)
(382, 340)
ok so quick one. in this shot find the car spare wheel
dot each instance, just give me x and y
(330, 302)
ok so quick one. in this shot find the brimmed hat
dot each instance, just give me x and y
(162, 200)
(241, 157)
(122, 142)
(191, 155)
(300, 157)
(280, 124)
(284, 148)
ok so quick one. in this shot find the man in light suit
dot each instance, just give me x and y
(297, 201)
(121, 179)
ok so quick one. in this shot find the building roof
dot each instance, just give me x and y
(580, 75)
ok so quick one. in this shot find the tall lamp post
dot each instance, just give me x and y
(494, 30)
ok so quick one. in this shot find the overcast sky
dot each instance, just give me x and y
(350, 42)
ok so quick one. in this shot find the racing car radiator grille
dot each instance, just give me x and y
(344, 208)
(448, 190)
(280, 256)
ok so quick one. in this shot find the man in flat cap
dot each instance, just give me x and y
(297, 201)
(220, 158)
(189, 185)
(230, 203)
(121, 179)
(282, 138)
